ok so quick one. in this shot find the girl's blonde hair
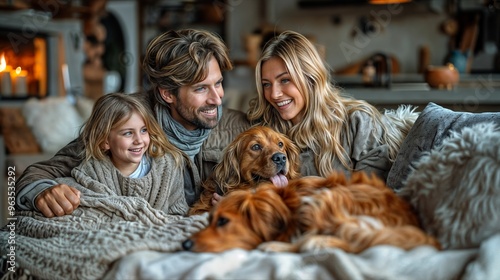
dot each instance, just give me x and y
(111, 111)
(326, 112)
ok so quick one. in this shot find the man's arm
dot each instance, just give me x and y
(37, 190)
(60, 165)
(48, 197)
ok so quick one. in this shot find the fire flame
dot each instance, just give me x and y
(3, 63)
(18, 70)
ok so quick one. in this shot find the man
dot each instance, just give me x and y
(185, 69)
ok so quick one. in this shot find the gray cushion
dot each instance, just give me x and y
(455, 189)
(432, 126)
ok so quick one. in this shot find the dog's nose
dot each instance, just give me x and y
(187, 245)
(279, 159)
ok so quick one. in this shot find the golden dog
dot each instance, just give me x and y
(256, 155)
(312, 213)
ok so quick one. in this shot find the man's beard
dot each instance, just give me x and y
(194, 119)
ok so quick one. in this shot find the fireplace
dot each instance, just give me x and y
(39, 56)
(22, 65)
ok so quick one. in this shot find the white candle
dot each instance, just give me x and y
(5, 82)
(65, 74)
(20, 82)
(6, 85)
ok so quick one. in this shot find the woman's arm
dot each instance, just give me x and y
(364, 143)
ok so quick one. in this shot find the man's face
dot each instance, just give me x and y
(196, 105)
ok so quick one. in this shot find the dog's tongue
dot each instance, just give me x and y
(279, 180)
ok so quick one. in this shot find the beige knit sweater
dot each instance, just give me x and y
(117, 216)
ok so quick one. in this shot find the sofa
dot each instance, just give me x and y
(448, 168)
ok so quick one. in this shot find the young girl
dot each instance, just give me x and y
(126, 154)
(296, 97)
(132, 198)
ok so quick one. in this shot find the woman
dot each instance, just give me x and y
(296, 97)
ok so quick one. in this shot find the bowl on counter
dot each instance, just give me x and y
(442, 77)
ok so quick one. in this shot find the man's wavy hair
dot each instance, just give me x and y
(179, 58)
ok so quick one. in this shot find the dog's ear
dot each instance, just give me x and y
(227, 172)
(289, 197)
(369, 179)
(292, 154)
(337, 178)
(292, 201)
(270, 212)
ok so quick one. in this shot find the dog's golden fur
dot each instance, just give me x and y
(256, 155)
(312, 213)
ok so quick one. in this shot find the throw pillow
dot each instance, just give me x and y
(455, 188)
(434, 124)
(54, 122)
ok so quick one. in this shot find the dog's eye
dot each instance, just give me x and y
(280, 144)
(256, 147)
(222, 221)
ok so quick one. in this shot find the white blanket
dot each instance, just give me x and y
(381, 262)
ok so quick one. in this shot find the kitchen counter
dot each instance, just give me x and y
(474, 93)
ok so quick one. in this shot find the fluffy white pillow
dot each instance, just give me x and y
(54, 122)
(455, 188)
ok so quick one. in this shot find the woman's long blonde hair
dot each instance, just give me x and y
(326, 112)
(111, 111)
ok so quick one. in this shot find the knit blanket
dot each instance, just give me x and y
(162, 187)
(105, 227)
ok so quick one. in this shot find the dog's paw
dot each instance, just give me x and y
(276, 246)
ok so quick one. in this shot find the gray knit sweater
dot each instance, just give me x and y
(117, 216)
